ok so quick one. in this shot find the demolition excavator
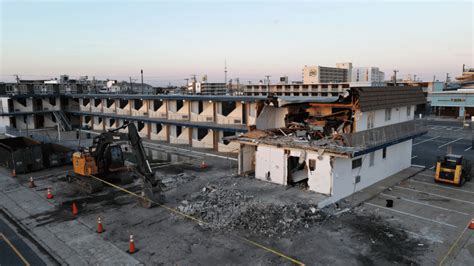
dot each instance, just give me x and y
(105, 160)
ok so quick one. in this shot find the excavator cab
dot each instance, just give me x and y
(453, 169)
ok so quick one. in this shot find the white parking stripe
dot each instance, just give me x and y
(426, 140)
(443, 187)
(432, 194)
(432, 176)
(461, 128)
(432, 167)
(414, 157)
(419, 166)
(449, 142)
(412, 215)
(424, 204)
(468, 148)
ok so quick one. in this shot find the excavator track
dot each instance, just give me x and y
(86, 184)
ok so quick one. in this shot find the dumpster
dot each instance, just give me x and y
(21, 154)
(56, 155)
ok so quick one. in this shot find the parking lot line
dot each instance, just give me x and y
(423, 203)
(412, 215)
(442, 187)
(433, 194)
(468, 148)
(426, 140)
(449, 142)
(426, 175)
(418, 165)
(432, 167)
(14, 249)
(458, 129)
(414, 157)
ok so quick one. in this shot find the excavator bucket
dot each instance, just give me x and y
(150, 196)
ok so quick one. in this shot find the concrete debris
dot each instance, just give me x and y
(174, 181)
(230, 209)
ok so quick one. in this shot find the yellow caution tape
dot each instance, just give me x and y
(199, 221)
(454, 244)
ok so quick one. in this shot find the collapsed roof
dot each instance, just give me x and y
(327, 124)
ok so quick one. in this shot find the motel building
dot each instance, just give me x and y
(333, 145)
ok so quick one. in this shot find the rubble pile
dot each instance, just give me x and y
(230, 209)
(174, 181)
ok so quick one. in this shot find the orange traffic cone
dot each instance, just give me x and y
(100, 228)
(74, 209)
(13, 173)
(131, 245)
(31, 183)
(49, 195)
(203, 165)
(471, 225)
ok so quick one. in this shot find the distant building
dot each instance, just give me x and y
(367, 76)
(296, 89)
(344, 72)
(206, 88)
(320, 74)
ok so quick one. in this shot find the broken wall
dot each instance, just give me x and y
(271, 117)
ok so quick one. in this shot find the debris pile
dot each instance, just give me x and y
(174, 181)
(230, 209)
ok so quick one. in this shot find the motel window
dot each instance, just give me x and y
(388, 114)
(408, 111)
(356, 163)
(370, 119)
(371, 158)
(384, 153)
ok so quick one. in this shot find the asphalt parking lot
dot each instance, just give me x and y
(433, 215)
(435, 212)
(441, 137)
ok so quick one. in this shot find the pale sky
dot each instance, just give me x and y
(172, 40)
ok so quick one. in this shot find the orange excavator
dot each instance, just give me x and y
(104, 160)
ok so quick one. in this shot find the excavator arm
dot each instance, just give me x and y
(151, 187)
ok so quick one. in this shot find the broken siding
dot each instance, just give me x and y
(376, 98)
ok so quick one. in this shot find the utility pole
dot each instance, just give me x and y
(268, 84)
(225, 72)
(238, 85)
(141, 71)
(225, 77)
(395, 77)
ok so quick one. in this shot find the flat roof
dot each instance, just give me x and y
(218, 98)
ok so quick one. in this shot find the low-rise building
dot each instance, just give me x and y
(333, 145)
